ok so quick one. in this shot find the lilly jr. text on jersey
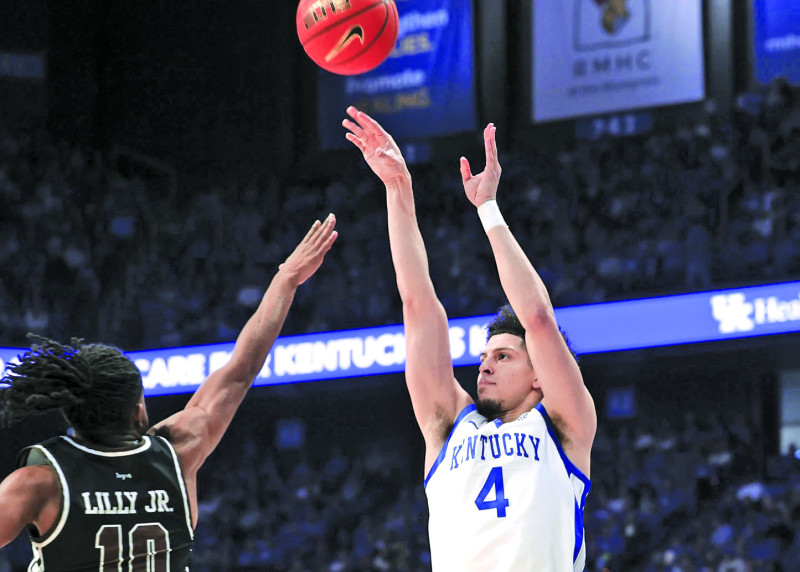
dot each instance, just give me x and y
(125, 502)
(483, 447)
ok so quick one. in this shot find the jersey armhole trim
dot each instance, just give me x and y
(569, 465)
(579, 550)
(53, 533)
(181, 482)
(464, 412)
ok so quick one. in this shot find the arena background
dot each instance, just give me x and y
(190, 99)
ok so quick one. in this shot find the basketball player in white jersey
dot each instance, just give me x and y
(506, 476)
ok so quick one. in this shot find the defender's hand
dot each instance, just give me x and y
(483, 186)
(379, 149)
(308, 256)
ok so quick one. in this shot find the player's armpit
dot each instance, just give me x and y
(566, 397)
(561, 380)
(188, 432)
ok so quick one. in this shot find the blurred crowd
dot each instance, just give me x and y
(676, 484)
(93, 251)
(661, 506)
(681, 495)
(89, 249)
(657, 508)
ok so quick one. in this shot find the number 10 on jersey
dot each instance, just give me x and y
(500, 502)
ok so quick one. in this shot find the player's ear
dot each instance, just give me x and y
(140, 420)
(535, 383)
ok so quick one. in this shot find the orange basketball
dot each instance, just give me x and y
(347, 37)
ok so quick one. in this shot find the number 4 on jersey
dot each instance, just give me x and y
(493, 481)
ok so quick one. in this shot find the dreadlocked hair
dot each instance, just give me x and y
(94, 385)
(507, 322)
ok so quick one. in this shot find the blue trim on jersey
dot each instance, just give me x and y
(579, 531)
(571, 470)
(464, 412)
(569, 465)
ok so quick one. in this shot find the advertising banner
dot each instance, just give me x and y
(594, 328)
(425, 88)
(23, 66)
(599, 56)
(776, 40)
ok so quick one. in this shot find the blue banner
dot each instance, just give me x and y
(776, 40)
(23, 66)
(595, 328)
(425, 88)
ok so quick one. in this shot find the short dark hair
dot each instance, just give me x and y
(95, 385)
(507, 322)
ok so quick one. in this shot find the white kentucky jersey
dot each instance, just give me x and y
(505, 497)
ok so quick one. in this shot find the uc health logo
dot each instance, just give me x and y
(735, 313)
(601, 24)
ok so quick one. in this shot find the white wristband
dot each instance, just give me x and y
(490, 215)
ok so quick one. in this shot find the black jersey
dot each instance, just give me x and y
(121, 510)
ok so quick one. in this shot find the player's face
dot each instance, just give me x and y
(505, 374)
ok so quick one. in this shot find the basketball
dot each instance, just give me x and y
(347, 37)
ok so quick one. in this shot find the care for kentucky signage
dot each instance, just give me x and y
(593, 328)
(309, 357)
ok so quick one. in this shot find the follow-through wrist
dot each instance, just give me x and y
(490, 215)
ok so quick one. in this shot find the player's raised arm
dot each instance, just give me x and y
(435, 394)
(197, 430)
(565, 395)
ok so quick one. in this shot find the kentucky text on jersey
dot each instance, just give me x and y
(505, 444)
(124, 502)
(510, 500)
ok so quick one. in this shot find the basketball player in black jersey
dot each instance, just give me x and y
(120, 494)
